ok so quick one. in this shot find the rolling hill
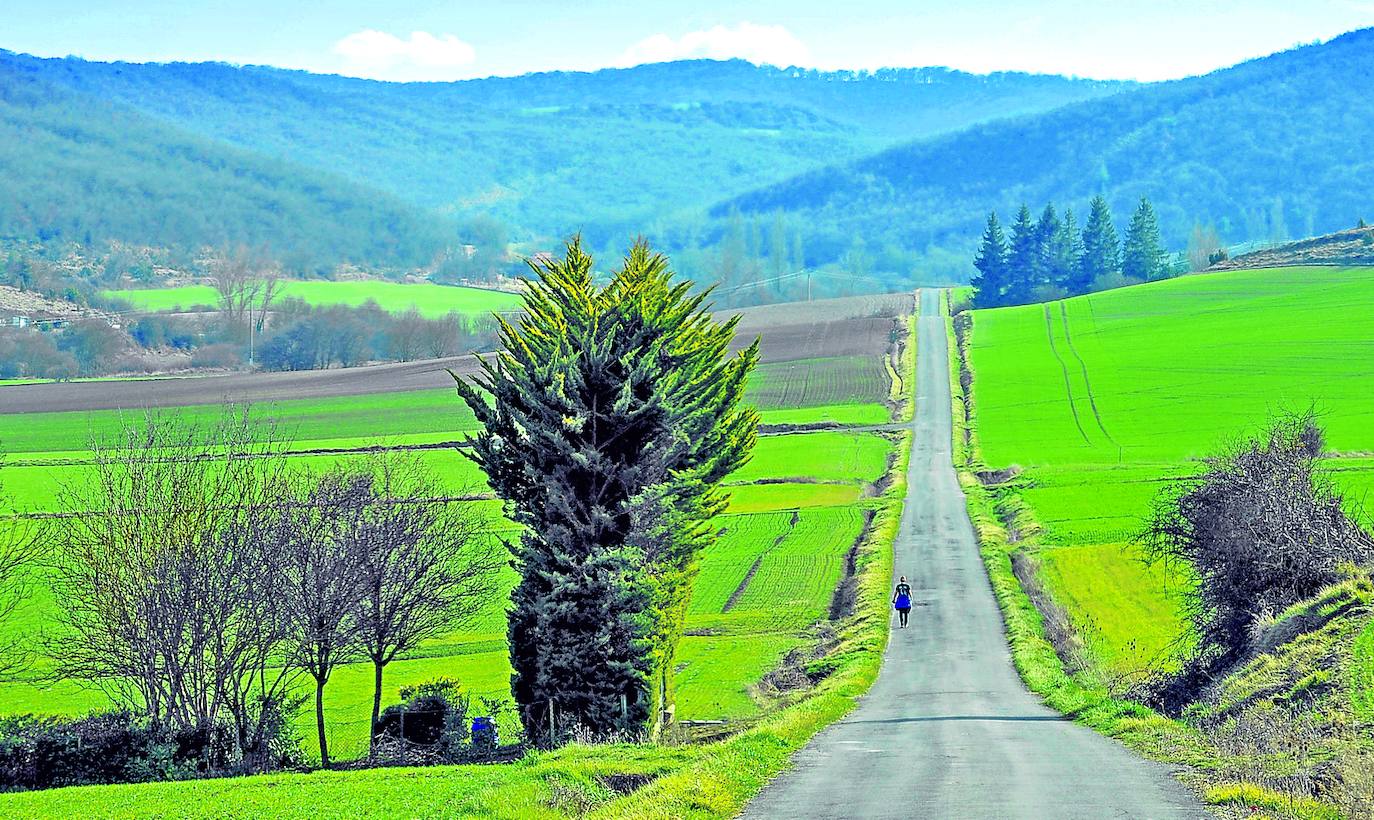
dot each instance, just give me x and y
(1272, 148)
(78, 168)
(609, 152)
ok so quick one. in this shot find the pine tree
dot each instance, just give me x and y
(609, 419)
(1022, 261)
(1046, 231)
(991, 263)
(1067, 250)
(1142, 256)
(1101, 250)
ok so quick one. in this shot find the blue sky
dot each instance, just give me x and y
(455, 39)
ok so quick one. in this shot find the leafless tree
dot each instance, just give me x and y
(319, 530)
(167, 582)
(20, 546)
(406, 336)
(246, 282)
(445, 336)
(427, 567)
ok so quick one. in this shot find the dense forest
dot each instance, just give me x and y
(79, 169)
(1270, 149)
(612, 153)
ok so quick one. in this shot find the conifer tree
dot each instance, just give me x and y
(991, 262)
(1142, 255)
(1021, 264)
(1046, 230)
(1066, 251)
(1101, 250)
(610, 417)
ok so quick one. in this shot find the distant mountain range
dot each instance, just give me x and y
(610, 153)
(891, 171)
(1274, 148)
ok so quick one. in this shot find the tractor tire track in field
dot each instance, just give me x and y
(949, 730)
(1068, 385)
(1087, 383)
(758, 562)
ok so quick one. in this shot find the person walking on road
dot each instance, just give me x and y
(901, 600)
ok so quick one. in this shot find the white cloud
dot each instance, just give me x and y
(774, 45)
(423, 56)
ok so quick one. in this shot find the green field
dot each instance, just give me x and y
(430, 300)
(1104, 398)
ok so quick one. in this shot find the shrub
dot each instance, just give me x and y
(433, 715)
(112, 747)
(1261, 530)
(222, 355)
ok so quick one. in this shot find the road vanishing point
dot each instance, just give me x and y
(949, 730)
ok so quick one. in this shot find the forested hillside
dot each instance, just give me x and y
(1270, 149)
(76, 168)
(611, 153)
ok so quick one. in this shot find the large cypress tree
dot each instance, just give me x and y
(1101, 250)
(991, 263)
(1142, 256)
(610, 416)
(1022, 262)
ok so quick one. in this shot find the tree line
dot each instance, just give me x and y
(1049, 258)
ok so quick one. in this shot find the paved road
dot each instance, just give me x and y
(949, 730)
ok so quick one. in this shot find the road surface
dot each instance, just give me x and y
(948, 730)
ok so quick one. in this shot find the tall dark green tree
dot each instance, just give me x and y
(991, 262)
(1023, 261)
(1066, 249)
(1047, 228)
(1142, 255)
(1101, 249)
(609, 419)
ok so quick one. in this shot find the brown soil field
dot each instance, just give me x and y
(1352, 247)
(849, 326)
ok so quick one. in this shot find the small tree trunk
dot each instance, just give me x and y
(376, 704)
(319, 723)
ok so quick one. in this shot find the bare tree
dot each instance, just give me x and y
(246, 283)
(167, 582)
(319, 531)
(445, 336)
(426, 567)
(20, 545)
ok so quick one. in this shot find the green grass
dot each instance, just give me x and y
(1105, 398)
(1116, 605)
(430, 300)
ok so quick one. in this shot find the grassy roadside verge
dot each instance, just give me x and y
(1078, 697)
(1277, 728)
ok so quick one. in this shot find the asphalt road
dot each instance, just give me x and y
(949, 730)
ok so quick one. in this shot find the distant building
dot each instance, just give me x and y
(19, 321)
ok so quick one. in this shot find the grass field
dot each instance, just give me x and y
(1104, 398)
(430, 300)
(798, 508)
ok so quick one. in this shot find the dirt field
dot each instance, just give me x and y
(851, 326)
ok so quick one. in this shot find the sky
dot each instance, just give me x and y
(405, 40)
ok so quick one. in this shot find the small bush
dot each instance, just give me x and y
(113, 747)
(217, 356)
(433, 716)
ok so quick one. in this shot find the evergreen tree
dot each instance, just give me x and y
(1142, 256)
(1022, 261)
(1066, 251)
(609, 419)
(1047, 229)
(1101, 250)
(991, 263)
